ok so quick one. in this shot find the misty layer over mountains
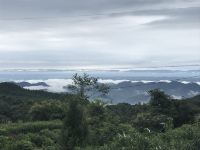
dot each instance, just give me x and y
(125, 91)
(130, 86)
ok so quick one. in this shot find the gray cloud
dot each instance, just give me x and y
(37, 9)
(179, 17)
(32, 8)
(37, 33)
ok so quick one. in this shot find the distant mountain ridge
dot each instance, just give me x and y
(126, 91)
(11, 90)
(27, 84)
(129, 91)
(137, 92)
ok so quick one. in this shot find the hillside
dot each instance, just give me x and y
(124, 91)
(14, 91)
(39, 120)
(15, 102)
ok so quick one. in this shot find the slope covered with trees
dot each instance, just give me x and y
(38, 120)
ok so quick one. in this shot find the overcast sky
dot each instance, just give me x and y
(99, 33)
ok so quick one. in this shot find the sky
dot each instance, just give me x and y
(99, 33)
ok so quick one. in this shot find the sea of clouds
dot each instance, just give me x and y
(59, 85)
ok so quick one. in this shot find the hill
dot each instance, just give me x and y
(31, 120)
(125, 91)
(13, 90)
(15, 101)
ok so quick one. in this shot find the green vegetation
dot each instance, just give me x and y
(37, 120)
(82, 84)
(74, 130)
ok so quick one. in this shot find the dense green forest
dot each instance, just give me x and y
(38, 120)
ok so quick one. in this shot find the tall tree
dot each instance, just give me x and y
(161, 102)
(75, 129)
(83, 84)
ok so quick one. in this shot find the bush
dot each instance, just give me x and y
(153, 122)
(33, 127)
(47, 110)
(21, 145)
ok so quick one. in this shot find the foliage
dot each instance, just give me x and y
(31, 136)
(152, 122)
(28, 127)
(183, 138)
(15, 102)
(74, 131)
(84, 84)
(47, 110)
(160, 102)
(161, 124)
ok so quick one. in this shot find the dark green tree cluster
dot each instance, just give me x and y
(47, 110)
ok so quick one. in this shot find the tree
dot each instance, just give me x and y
(23, 145)
(84, 84)
(96, 112)
(153, 122)
(75, 129)
(47, 110)
(161, 102)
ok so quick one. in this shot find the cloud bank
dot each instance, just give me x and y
(94, 33)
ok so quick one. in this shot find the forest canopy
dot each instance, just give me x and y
(39, 120)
